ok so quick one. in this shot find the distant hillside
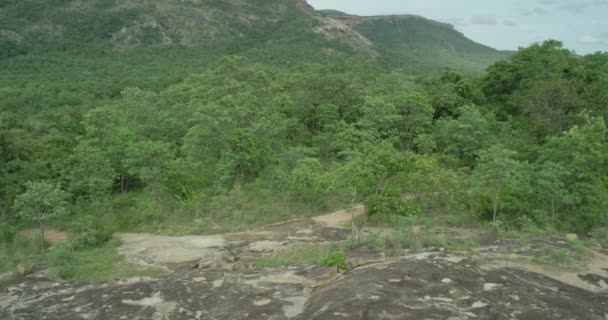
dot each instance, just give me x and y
(279, 31)
(418, 44)
(332, 13)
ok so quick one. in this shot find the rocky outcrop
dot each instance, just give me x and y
(215, 277)
(421, 286)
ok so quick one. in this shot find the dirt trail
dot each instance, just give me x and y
(340, 218)
(50, 235)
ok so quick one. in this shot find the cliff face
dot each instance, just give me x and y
(304, 6)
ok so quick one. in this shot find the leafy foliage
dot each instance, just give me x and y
(193, 146)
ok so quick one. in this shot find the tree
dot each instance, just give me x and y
(246, 156)
(107, 129)
(550, 186)
(41, 202)
(376, 179)
(552, 106)
(399, 117)
(465, 136)
(537, 62)
(91, 174)
(583, 153)
(495, 171)
(307, 182)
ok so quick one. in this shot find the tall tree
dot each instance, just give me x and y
(41, 202)
(464, 136)
(551, 187)
(495, 170)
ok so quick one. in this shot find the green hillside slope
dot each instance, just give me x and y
(271, 31)
(417, 44)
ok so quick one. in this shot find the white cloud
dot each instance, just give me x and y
(575, 6)
(510, 23)
(484, 20)
(587, 39)
(456, 21)
(541, 11)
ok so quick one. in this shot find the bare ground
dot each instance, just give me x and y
(214, 277)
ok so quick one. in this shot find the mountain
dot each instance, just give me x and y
(417, 44)
(279, 31)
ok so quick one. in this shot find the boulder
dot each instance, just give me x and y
(222, 261)
(362, 257)
(24, 269)
(265, 246)
(571, 237)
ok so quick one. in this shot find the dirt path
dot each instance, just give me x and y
(340, 218)
(50, 235)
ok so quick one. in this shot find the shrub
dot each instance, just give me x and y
(7, 232)
(62, 260)
(336, 258)
(87, 233)
(601, 235)
(375, 241)
(21, 249)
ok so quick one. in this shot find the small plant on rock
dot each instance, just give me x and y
(335, 259)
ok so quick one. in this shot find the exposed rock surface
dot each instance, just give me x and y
(494, 282)
(413, 287)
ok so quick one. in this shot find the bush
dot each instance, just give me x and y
(391, 204)
(21, 249)
(87, 233)
(375, 241)
(601, 235)
(296, 256)
(335, 259)
(7, 232)
(578, 248)
(308, 183)
(62, 260)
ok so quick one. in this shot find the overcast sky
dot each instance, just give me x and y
(503, 24)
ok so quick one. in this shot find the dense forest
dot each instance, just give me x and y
(243, 143)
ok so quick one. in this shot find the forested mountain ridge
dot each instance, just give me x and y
(409, 38)
(234, 26)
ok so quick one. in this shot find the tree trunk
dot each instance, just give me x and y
(553, 211)
(495, 206)
(4, 241)
(42, 237)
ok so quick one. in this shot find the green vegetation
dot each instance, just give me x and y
(165, 40)
(575, 252)
(40, 203)
(244, 143)
(95, 264)
(601, 236)
(73, 261)
(320, 254)
(161, 128)
(20, 249)
(336, 258)
(416, 44)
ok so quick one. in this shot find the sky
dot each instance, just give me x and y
(503, 24)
